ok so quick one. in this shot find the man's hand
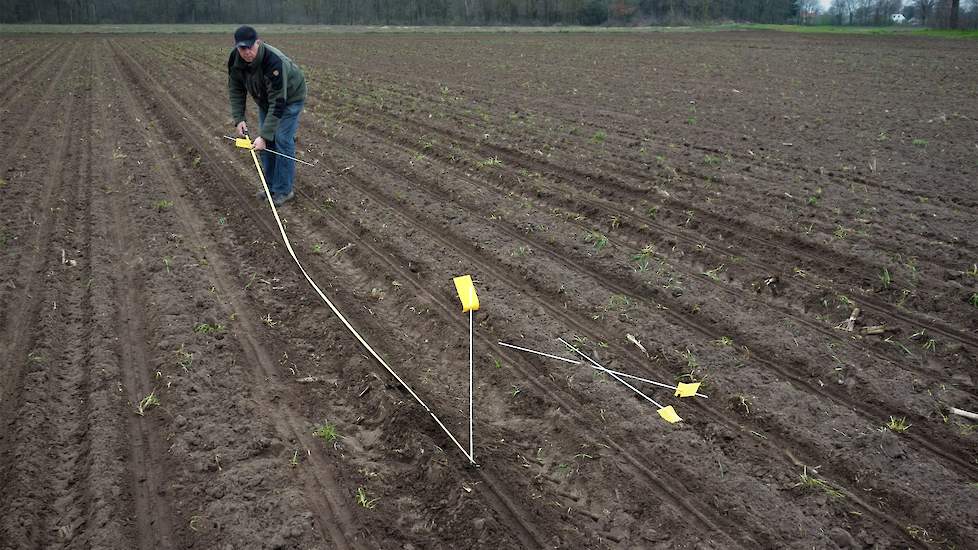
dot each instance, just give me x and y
(258, 144)
(242, 128)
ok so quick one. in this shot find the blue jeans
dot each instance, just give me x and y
(280, 171)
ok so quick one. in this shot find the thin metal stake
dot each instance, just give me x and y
(471, 407)
(619, 373)
(620, 379)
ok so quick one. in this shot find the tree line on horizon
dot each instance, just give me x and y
(467, 12)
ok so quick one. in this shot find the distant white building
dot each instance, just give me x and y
(898, 18)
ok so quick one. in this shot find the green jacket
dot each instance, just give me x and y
(272, 80)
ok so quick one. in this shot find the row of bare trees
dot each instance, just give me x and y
(946, 14)
(938, 13)
(398, 12)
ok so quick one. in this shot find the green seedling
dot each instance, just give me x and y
(615, 222)
(724, 341)
(497, 363)
(919, 142)
(597, 240)
(644, 257)
(521, 251)
(599, 137)
(619, 302)
(841, 232)
(652, 212)
(898, 425)
(364, 500)
(973, 272)
(710, 160)
(885, 278)
(328, 204)
(269, 322)
(167, 262)
(149, 401)
(207, 328)
(715, 272)
(163, 204)
(185, 359)
(515, 391)
(317, 248)
(973, 300)
(811, 482)
(813, 199)
(491, 162)
(294, 461)
(327, 432)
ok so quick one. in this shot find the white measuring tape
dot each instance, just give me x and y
(375, 355)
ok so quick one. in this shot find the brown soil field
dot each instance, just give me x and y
(724, 199)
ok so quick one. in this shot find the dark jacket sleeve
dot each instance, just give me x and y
(274, 69)
(237, 95)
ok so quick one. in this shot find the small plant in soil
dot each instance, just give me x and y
(919, 142)
(599, 137)
(714, 273)
(497, 363)
(163, 204)
(619, 302)
(294, 461)
(167, 262)
(521, 252)
(811, 482)
(145, 403)
(652, 212)
(268, 321)
(207, 328)
(898, 425)
(813, 199)
(492, 162)
(327, 432)
(515, 391)
(364, 500)
(973, 300)
(317, 248)
(596, 239)
(185, 359)
(724, 341)
(885, 279)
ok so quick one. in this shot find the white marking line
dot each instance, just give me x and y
(619, 373)
(539, 353)
(599, 367)
(379, 359)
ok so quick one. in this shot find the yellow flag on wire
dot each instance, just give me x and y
(244, 143)
(669, 414)
(687, 390)
(466, 293)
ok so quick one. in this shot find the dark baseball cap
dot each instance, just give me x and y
(245, 37)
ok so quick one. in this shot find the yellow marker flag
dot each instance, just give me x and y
(244, 143)
(466, 293)
(669, 414)
(687, 390)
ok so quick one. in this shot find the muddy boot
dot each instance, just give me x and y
(279, 200)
